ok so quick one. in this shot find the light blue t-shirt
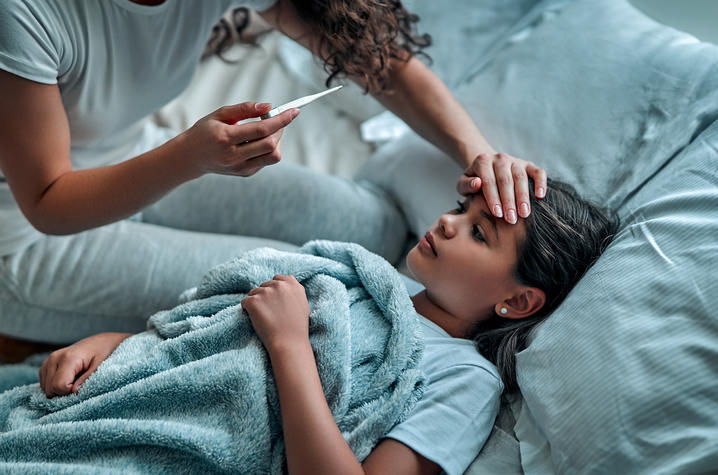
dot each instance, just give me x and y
(115, 62)
(454, 417)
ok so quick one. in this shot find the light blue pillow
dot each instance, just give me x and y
(623, 377)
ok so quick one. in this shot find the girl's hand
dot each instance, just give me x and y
(66, 369)
(216, 144)
(279, 312)
(504, 181)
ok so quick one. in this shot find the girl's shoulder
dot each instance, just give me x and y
(456, 413)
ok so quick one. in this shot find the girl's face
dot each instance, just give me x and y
(465, 261)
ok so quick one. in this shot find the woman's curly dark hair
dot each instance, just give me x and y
(360, 38)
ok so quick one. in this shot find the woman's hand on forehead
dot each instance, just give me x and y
(504, 182)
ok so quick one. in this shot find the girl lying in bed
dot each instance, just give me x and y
(487, 285)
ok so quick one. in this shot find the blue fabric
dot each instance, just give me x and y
(195, 392)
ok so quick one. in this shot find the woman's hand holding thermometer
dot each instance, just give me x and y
(218, 144)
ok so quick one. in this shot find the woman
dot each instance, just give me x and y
(90, 186)
(485, 280)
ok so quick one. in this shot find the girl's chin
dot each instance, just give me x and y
(411, 257)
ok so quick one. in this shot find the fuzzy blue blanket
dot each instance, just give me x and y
(195, 393)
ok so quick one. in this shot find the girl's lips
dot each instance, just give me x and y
(428, 242)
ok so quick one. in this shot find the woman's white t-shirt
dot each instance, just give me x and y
(115, 62)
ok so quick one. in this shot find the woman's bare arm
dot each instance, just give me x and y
(422, 100)
(417, 95)
(35, 159)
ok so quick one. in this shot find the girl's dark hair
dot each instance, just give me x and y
(565, 235)
(360, 38)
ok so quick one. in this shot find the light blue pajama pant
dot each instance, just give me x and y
(63, 288)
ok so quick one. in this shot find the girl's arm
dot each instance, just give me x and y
(55, 199)
(64, 371)
(280, 314)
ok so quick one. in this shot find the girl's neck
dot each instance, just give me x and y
(429, 310)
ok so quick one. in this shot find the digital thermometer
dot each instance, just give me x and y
(297, 103)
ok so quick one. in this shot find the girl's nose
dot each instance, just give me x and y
(447, 225)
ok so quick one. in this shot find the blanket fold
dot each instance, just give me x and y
(196, 393)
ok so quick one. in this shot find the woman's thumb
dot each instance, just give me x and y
(468, 184)
(245, 110)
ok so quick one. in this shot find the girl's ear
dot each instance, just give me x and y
(526, 302)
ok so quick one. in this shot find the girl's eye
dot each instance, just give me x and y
(476, 232)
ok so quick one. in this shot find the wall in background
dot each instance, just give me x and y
(697, 17)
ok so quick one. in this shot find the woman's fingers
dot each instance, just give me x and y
(489, 184)
(539, 177)
(259, 147)
(251, 157)
(468, 185)
(505, 183)
(503, 180)
(246, 110)
(253, 165)
(252, 131)
(521, 190)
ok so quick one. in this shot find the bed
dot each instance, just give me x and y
(623, 377)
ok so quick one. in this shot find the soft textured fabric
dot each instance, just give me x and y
(195, 392)
(114, 62)
(63, 288)
(459, 405)
(622, 377)
(461, 395)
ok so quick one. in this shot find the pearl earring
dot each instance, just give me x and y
(504, 310)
